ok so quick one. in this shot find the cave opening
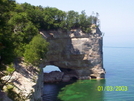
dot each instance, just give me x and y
(74, 78)
(93, 77)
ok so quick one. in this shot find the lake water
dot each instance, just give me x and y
(118, 83)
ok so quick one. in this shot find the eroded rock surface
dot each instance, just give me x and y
(75, 50)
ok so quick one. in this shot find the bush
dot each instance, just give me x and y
(10, 69)
(36, 50)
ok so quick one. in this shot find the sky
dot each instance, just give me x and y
(50, 68)
(116, 17)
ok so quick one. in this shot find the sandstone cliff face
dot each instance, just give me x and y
(76, 52)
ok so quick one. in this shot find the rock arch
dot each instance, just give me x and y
(74, 52)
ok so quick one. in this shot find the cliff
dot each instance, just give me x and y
(76, 52)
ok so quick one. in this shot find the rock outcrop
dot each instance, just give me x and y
(21, 83)
(76, 52)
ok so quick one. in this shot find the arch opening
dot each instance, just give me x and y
(50, 68)
(54, 73)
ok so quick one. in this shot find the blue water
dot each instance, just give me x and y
(119, 66)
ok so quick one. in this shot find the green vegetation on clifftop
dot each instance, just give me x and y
(19, 23)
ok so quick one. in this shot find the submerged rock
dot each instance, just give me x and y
(66, 78)
(54, 76)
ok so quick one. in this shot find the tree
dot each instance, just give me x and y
(23, 32)
(6, 7)
(82, 19)
(36, 50)
(72, 19)
(85, 22)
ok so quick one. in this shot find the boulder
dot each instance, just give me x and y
(54, 76)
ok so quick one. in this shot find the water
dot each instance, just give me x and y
(119, 66)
